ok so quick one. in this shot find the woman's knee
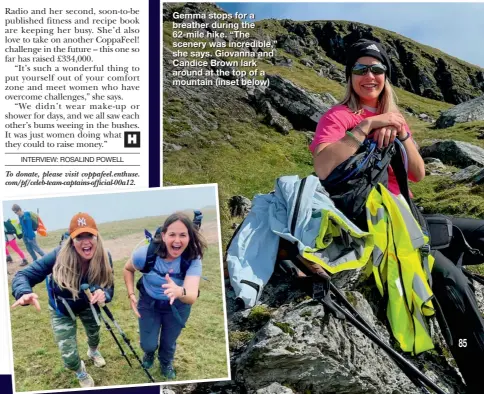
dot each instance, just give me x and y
(148, 333)
(148, 341)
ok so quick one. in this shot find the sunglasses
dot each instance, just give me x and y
(82, 237)
(362, 69)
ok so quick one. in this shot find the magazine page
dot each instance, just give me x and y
(74, 96)
(78, 84)
(312, 118)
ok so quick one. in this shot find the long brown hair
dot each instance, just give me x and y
(196, 244)
(67, 272)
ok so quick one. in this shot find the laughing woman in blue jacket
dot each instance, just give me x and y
(81, 259)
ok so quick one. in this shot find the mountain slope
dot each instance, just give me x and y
(215, 134)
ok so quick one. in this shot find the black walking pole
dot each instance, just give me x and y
(126, 339)
(86, 290)
(316, 271)
(121, 332)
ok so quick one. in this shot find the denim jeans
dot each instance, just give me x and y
(32, 247)
(156, 316)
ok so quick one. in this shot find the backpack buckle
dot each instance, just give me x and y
(425, 250)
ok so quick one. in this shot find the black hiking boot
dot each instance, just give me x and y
(24, 263)
(148, 360)
(9, 259)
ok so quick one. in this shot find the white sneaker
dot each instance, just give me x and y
(96, 357)
(85, 380)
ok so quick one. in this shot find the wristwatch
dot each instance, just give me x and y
(184, 292)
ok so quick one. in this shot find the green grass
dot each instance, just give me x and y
(466, 132)
(201, 348)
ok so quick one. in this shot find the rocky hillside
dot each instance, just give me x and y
(417, 68)
(243, 138)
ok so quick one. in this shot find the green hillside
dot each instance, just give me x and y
(244, 156)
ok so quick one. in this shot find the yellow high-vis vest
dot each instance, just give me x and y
(401, 266)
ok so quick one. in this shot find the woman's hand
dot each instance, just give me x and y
(384, 136)
(27, 299)
(394, 119)
(172, 290)
(98, 297)
(134, 304)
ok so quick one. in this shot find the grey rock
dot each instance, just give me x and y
(302, 109)
(465, 112)
(479, 296)
(168, 147)
(291, 44)
(298, 346)
(307, 62)
(457, 153)
(432, 160)
(275, 388)
(281, 61)
(481, 136)
(426, 118)
(478, 179)
(239, 206)
(467, 174)
(435, 166)
(330, 71)
(328, 98)
(274, 118)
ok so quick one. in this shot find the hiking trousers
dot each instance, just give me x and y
(158, 327)
(65, 330)
(13, 244)
(455, 294)
(32, 247)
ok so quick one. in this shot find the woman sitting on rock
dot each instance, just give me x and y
(368, 111)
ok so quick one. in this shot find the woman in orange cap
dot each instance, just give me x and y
(80, 259)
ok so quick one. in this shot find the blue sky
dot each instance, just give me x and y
(56, 212)
(454, 28)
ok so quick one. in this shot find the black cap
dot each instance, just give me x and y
(364, 47)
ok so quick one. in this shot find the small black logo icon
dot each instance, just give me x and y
(132, 139)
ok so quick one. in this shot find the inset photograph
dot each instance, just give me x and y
(116, 289)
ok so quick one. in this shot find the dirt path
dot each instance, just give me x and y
(122, 247)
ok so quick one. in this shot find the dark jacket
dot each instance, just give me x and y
(8, 228)
(26, 279)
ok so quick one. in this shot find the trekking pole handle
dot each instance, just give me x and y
(314, 268)
(89, 296)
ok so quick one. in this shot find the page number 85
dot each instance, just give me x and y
(462, 342)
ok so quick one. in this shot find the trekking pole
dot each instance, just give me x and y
(108, 326)
(121, 332)
(478, 278)
(340, 297)
(409, 369)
